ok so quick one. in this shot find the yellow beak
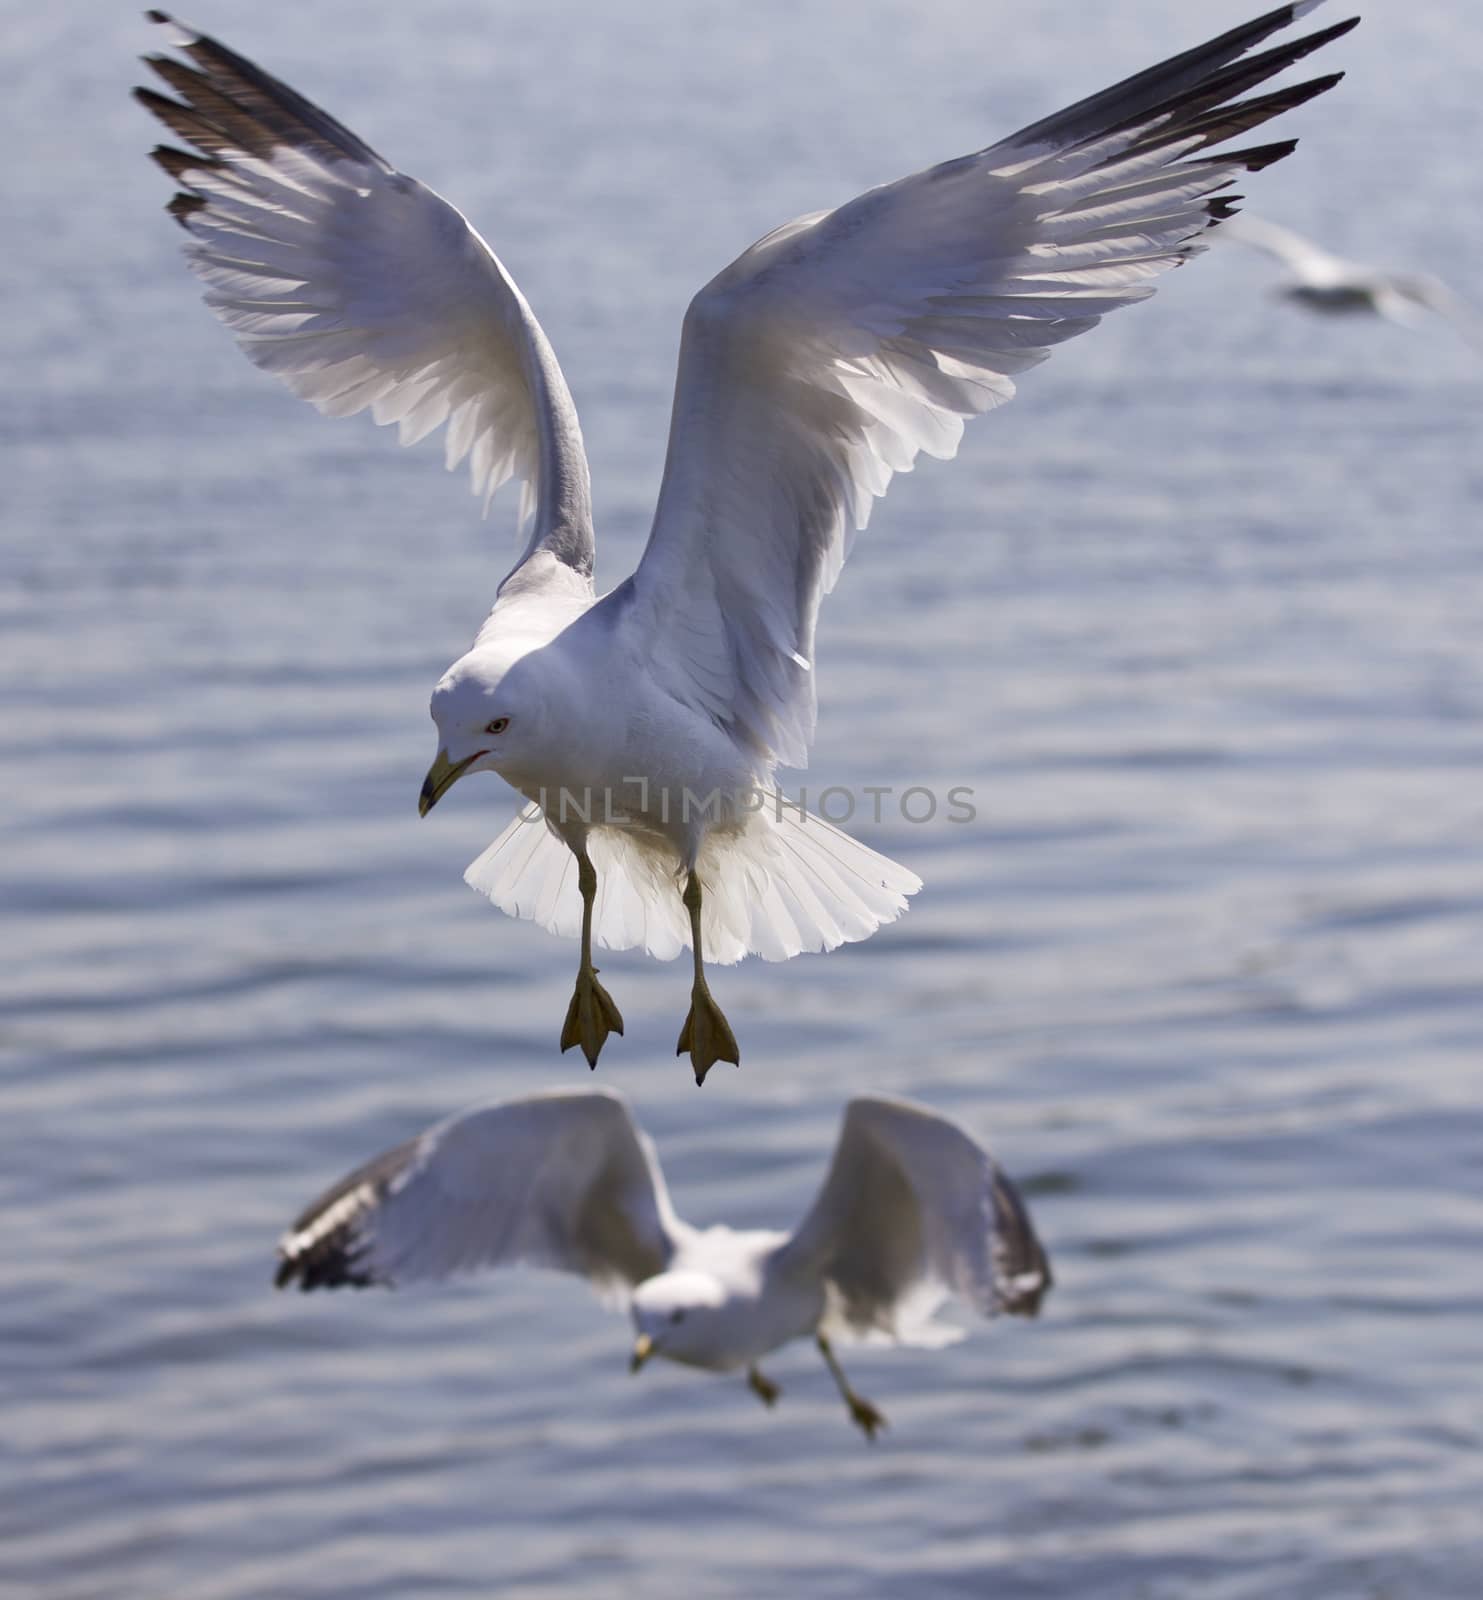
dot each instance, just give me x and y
(643, 1348)
(441, 776)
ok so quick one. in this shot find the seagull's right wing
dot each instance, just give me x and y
(833, 351)
(913, 1210)
(358, 286)
(564, 1180)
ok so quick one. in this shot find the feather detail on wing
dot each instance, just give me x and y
(840, 346)
(914, 1210)
(359, 287)
(564, 1180)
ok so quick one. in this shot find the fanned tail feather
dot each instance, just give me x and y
(788, 883)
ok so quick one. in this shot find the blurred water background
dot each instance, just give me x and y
(1198, 620)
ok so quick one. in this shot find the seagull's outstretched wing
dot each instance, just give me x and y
(1309, 263)
(359, 286)
(564, 1180)
(913, 1210)
(833, 350)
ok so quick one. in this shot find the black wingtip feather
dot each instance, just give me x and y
(1220, 120)
(235, 105)
(1253, 159)
(1022, 1267)
(1182, 84)
(1213, 94)
(336, 1257)
(333, 1262)
(324, 1269)
(179, 163)
(1225, 122)
(183, 207)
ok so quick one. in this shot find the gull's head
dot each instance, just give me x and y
(489, 715)
(682, 1316)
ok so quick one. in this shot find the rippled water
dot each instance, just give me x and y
(1198, 620)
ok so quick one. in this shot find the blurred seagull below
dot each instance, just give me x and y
(645, 727)
(913, 1210)
(1330, 284)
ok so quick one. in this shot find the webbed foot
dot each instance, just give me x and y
(864, 1415)
(591, 1016)
(763, 1387)
(706, 1035)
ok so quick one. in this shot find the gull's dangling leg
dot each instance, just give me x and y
(706, 1035)
(764, 1388)
(861, 1411)
(592, 1015)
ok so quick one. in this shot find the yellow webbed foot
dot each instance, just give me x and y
(706, 1035)
(591, 1016)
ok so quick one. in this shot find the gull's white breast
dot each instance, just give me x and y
(762, 1309)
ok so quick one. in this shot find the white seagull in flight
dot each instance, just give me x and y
(913, 1210)
(645, 726)
(1322, 282)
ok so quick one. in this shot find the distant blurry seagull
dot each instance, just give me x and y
(1330, 284)
(646, 726)
(913, 1210)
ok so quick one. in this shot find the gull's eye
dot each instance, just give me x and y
(677, 1316)
(498, 725)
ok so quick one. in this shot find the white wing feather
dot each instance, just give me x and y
(565, 1180)
(837, 348)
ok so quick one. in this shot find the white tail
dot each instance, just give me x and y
(785, 884)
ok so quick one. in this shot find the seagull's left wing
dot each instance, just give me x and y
(914, 1209)
(359, 287)
(838, 347)
(565, 1179)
